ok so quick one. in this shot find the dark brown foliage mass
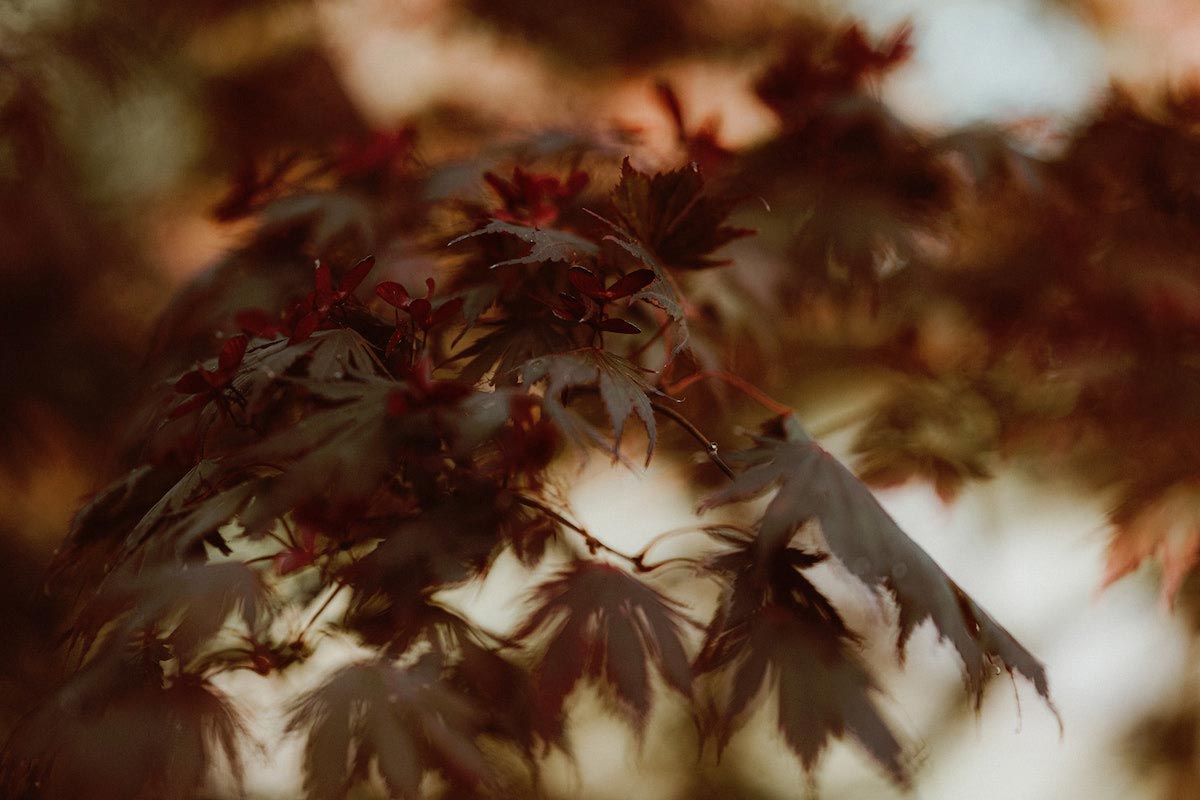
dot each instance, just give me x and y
(338, 444)
(317, 425)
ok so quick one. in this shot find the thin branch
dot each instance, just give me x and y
(741, 384)
(710, 447)
(337, 590)
(594, 545)
(665, 535)
(536, 505)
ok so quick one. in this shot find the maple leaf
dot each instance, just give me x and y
(782, 633)
(339, 453)
(328, 217)
(494, 683)
(813, 486)
(818, 70)
(440, 547)
(406, 722)
(270, 367)
(502, 351)
(424, 314)
(703, 145)
(588, 306)
(340, 354)
(379, 152)
(300, 553)
(622, 389)
(186, 605)
(101, 526)
(1167, 526)
(941, 431)
(661, 293)
(421, 311)
(589, 284)
(195, 602)
(507, 435)
(106, 739)
(325, 355)
(547, 245)
(326, 306)
(190, 511)
(602, 623)
(671, 216)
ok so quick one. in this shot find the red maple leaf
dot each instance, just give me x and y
(603, 624)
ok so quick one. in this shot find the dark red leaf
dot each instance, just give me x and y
(406, 722)
(257, 322)
(822, 690)
(537, 199)
(585, 281)
(774, 630)
(670, 214)
(355, 275)
(232, 353)
(393, 294)
(622, 390)
(603, 624)
(305, 327)
(445, 311)
(194, 382)
(191, 511)
(297, 557)
(420, 309)
(662, 292)
(322, 279)
(616, 325)
(111, 736)
(813, 486)
(630, 284)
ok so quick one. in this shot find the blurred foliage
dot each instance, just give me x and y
(1017, 308)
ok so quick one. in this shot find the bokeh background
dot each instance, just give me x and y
(124, 123)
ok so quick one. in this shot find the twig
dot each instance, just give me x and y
(710, 447)
(320, 611)
(594, 545)
(742, 385)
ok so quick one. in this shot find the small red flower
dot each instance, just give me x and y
(317, 306)
(420, 309)
(589, 308)
(206, 386)
(534, 199)
(303, 317)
